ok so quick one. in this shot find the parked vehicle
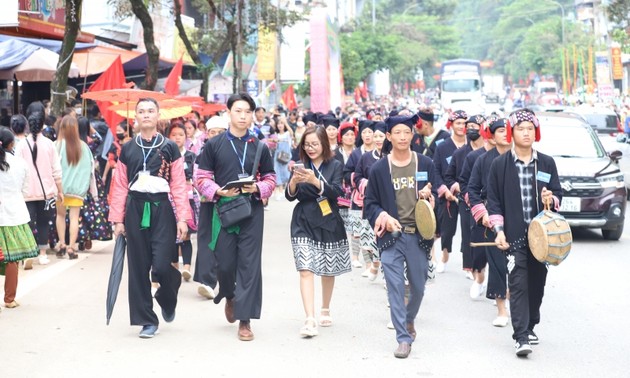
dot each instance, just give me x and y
(619, 143)
(601, 118)
(594, 192)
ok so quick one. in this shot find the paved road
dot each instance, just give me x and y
(59, 330)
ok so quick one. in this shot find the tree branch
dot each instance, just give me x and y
(140, 10)
(60, 81)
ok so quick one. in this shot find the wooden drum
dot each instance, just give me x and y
(550, 237)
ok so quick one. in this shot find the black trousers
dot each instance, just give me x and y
(479, 233)
(205, 263)
(40, 220)
(497, 270)
(151, 251)
(526, 281)
(239, 265)
(466, 221)
(447, 213)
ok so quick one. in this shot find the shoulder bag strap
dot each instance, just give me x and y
(257, 159)
(36, 169)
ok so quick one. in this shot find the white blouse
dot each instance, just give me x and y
(13, 187)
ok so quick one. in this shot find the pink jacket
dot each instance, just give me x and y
(48, 165)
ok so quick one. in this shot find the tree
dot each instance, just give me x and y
(60, 82)
(618, 11)
(139, 8)
(203, 69)
(241, 20)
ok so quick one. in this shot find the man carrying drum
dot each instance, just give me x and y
(534, 177)
(396, 183)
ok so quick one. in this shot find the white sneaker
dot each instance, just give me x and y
(186, 275)
(356, 264)
(390, 325)
(475, 290)
(43, 260)
(500, 321)
(469, 275)
(205, 291)
(441, 267)
(366, 273)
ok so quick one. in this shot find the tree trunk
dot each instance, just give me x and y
(203, 70)
(60, 81)
(141, 11)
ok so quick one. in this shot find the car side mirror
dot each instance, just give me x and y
(615, 155)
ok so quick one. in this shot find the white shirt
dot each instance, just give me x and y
(13, 187)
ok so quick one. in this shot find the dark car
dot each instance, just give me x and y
(593, 188)
(602, 120)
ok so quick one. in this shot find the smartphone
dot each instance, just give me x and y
(298, 166)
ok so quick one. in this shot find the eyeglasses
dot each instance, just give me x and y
(313, 146)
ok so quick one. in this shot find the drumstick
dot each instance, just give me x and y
(484, 244)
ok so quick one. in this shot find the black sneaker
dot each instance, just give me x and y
(168, 316)
(522, 348)
(533, 339)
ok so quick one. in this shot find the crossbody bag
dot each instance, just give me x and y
(50, 203)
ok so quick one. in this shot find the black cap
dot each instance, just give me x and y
(330, 121)
(380, 126)
(409, 121)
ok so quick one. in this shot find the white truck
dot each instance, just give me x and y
(460, 81)
(494, 88)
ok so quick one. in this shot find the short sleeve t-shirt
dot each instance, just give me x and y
(404, 181)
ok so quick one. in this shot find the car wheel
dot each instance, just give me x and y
(614, 234)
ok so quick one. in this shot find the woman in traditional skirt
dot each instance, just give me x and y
(347, 139)
(360, 180)
(16, 238)
(318, 238)
(365, 143)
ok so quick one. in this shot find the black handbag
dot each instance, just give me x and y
(237, 210)
(283, 157)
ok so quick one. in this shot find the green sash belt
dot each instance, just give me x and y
(216, 223)
(146, 215)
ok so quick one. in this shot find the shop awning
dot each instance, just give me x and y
(49, 44)
(14, 52)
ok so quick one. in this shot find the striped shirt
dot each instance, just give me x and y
(526, 180)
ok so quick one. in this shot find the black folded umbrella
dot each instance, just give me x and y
(115, 276)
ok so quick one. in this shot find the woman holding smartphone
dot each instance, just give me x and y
(318, 238)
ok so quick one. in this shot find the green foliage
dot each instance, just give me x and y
(413, 37)
(618, 12)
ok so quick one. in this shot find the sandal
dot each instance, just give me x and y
(61, 251)
(309, 329)
(72, 255)
(325, 320)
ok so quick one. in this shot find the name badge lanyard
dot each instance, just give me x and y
(241, 161)
(146, 155)
(322, 201)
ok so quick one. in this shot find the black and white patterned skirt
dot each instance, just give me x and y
(323, 259)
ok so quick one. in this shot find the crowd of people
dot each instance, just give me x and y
(356, 175)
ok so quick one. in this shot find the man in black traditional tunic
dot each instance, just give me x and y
(149, 168)
(521, 182)
(238, 249)
(396, 182)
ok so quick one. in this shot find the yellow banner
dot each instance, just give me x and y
(266, 54)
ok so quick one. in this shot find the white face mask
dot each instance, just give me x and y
(77, 110)
(300, 124)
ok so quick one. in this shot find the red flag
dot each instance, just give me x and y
(112, 78)
(171, 86)
(288, 98)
